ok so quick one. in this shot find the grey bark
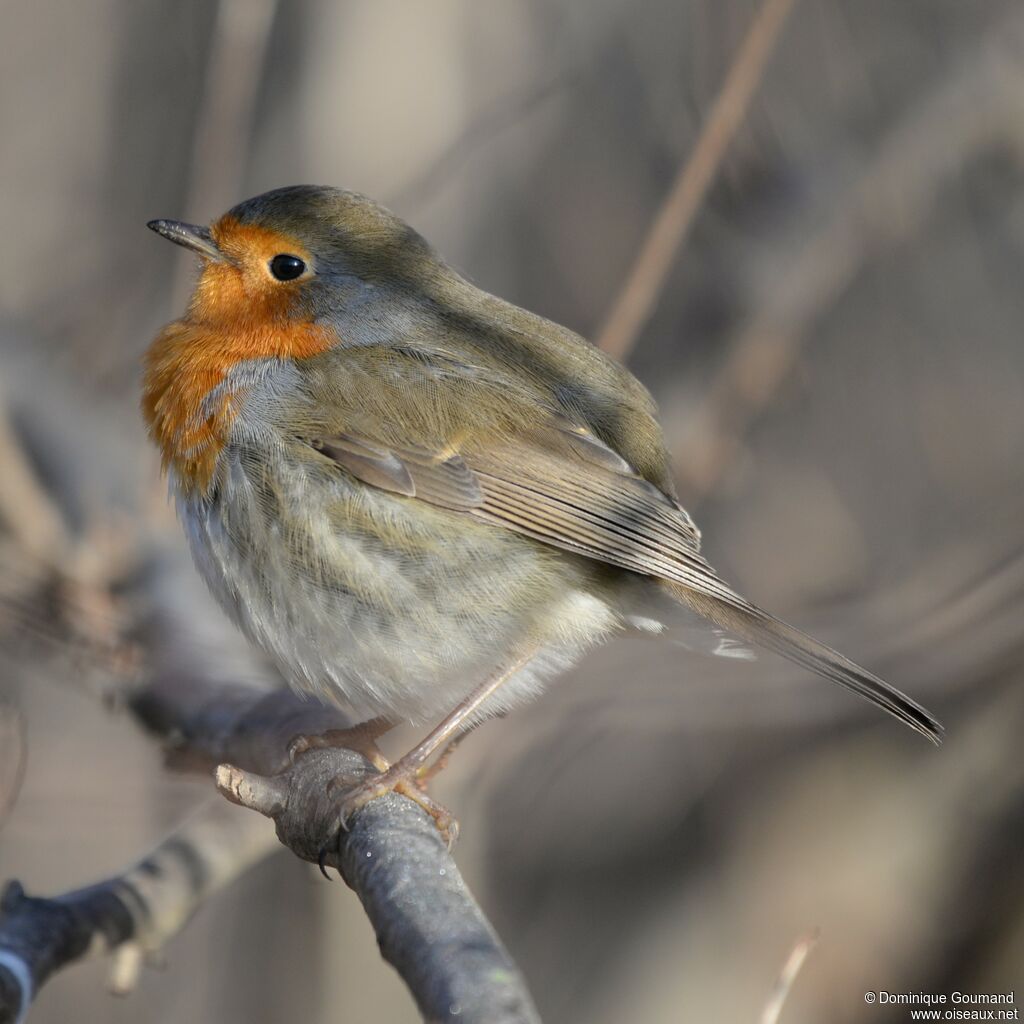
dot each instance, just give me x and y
(428, 925)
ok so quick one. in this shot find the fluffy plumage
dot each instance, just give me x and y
(395, 482)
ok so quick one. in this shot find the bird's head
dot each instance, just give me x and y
(278, 274)
(297, 253)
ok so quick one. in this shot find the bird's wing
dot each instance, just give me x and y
(553, 479)
(557, 484)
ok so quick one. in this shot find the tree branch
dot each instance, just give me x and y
(972, 111)
(134, 913)
(636, 301)
(428, 925)
(790, 969)
(25, 507)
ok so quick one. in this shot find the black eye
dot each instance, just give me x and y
(287, 268)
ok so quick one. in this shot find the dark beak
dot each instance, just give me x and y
(191, 236)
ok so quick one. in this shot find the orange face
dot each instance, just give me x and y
(238, 312)
(242, 289)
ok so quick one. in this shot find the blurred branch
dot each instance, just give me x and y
(234, 68)
(25, 507)
(980, 106)
(792, 967)
(57, 587)
(13, 756)
(426, 182)
(636, 301)
(134, 913)
(983, 890)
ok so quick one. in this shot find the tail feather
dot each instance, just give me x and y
(758, 627)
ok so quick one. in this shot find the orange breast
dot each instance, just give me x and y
(237, 313)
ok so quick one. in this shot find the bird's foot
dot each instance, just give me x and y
(403, 777)
(361, 738)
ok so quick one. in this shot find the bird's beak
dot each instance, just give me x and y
(191, 236)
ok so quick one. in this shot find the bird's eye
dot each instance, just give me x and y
(287, 268)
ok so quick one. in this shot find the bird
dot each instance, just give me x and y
(422, 502)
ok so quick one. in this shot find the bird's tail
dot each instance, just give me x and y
(755, 626)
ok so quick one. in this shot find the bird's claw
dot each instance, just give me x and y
(321, 859)
(298, 745)
(395, 780)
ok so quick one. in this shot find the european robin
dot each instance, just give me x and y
(420, 500)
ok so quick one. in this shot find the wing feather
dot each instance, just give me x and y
(570, 494)
(437, 478)
(594, 506)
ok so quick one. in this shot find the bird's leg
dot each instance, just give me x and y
(410, 773)
(427, 772)
(361, 738)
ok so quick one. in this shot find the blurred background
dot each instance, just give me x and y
(838, 353)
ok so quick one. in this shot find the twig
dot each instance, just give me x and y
(426, 182)
(13, 756)
(979, 107)
(135, 912)
(636, 300)
(234, 68)
(428, 925)
(44, 564)
(794, 962)
(25, 507)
